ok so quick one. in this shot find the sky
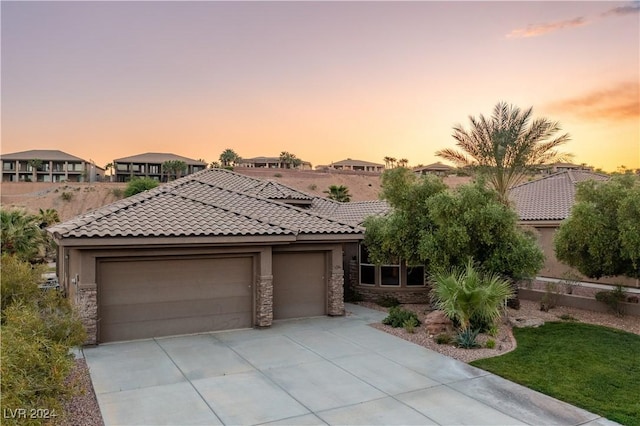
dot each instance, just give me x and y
(325, 81)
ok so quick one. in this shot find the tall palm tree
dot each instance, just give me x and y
(392, 162)
(289, 160)
(403, 162)
(229, 157)
(338, 193)
(387, 161)
(506, 146)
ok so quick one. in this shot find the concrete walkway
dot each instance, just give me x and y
(306, 372)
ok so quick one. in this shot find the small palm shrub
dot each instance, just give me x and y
(398, 316)
(466, 294)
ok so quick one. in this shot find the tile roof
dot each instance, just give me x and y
(551, 197)
(350, 162)
(199, 205)
(41, 154)
(158, 157)
(434, 166)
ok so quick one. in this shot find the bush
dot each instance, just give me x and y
(138, 185)
(410, 325)
(117, 192)
(277, 175)
(38, 329)
(466, 339)
(397, 317)
(443, 339)
(613, 299)
(66, 196)
(490, 344)
(387, 301)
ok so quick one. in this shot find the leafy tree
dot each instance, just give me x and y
(109, 168)
(174, 168)
(338, 193)
(229, 157)
(289, 160)
(506, 146)
(467, 295)
(601, 237)
(35, 164)
(137, 185)
(20, 234)
(443, 228)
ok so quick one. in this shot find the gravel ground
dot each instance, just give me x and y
(504, 340)
(82, 408)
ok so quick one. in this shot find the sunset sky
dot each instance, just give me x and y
(323, 80)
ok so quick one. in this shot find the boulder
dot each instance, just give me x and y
(437, 322)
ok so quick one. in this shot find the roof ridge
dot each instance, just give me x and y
(540, 179)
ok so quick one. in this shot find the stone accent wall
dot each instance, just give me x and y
(264, 301)
(336, 292)
(87, 307)
(404, 295)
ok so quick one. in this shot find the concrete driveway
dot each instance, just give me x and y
(306, 372)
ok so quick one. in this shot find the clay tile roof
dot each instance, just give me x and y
(158, 157)
(350, 162)
(356, 212)
(435, 167)
(551, 197)
(197, 206)
(41, 154)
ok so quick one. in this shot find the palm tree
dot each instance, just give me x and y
(35, 164)
(403, 162)
(338, 193)
(48, 217)
(387, 161)
(174, 168)
(20, 234)
(506, 146)
(392, 161)
(109, 168)
(290, 160)
(229, 157)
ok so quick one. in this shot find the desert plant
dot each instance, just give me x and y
(490, 344)
(410, 325)
(137, 185)
(313, 187)
(571, 281)
(397, 317)
(613, 299)
(277, 175)
(493, 330)
(550, 297)
(443, 339)
(467, 338)
(466, 293)
(66, 196)
(567, 317)
(117, 192)
(20, 234)
(387, 301)
(338, 193)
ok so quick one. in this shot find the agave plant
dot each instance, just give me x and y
(466, 293)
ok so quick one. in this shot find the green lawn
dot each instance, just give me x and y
(596, 368)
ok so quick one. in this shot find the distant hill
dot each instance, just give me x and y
(89, 196)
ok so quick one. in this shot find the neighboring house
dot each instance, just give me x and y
(563, 167)
(543, 204)
(354, 165)
(269, 163)
(437, 169)
(150, 165)
(214, 250)
(56, 166)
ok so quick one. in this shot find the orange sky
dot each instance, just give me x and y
(325, 81)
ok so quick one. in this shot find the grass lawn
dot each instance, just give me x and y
(592, 367)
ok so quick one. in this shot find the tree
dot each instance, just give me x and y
(138, 185)
(506, 146)
(403, 162)
(443, 228)
(229, 158)
(601, 237)
(20, 235)
(35, 164)
(387, 161)
(338, 193)
(289, 160)
(174, 168)
(109, 169)
(48, 217)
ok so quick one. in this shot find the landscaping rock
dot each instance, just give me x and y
(437, 322)
(522, 322)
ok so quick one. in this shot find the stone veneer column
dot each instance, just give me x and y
(264, 301)
(336, 291)
(87, 306)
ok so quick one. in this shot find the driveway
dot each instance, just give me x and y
(305, 372)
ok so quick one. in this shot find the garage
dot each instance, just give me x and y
(153, 297)
(299, 284)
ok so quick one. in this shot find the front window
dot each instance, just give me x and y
(367, 269)
(415, 275)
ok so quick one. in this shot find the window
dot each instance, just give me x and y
(8, 166)
(390, 275)
(367, 269)
(122, 167)
(154, 169)
(415, 275)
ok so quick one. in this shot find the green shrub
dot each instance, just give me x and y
(567, 317)
(388, 301)
(117, 192)
(493, 330)
(491, 344)
(443, 339)
(138, 185)
(613, 299)
(313, 187)
(19, 281)
(397, 317)
(466, 338)
(410, 325)
(550, 297)
(277, 175)
(66, 196)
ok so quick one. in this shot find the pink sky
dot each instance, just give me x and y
(325, 81)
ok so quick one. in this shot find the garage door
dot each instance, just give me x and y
(299, 285)
(151, 298)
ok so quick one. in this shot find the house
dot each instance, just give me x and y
(269, 163)
(149, 165)
(563, 167)
(54, 166)
(437, 169)
(214, 250)
(543, 204)
(354, 165)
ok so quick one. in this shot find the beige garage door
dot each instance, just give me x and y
(299, 285)
(151, 298)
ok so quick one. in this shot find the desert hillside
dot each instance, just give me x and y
(72, 199)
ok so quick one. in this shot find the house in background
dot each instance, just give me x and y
(269, 163)
(437, 169)
(150, 165)
(214, 250)
(563, 167)
(55, 166)
(543, 204)
(354, 165)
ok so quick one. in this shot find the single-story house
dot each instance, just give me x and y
(438, 169)
(543, 204)
(270, 163)
(354, 165)
(214, 250)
